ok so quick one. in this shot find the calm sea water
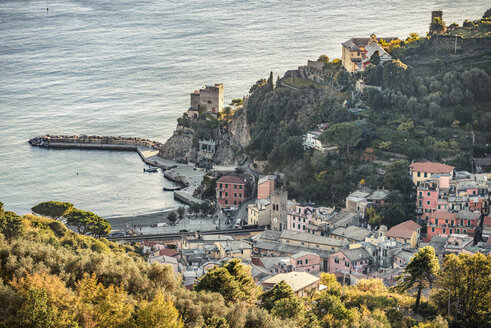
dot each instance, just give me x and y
(127, 68)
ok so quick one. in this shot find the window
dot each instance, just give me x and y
(293, 224)
(303, 243)
(226, 194)
(306, 261)
(436, 221)
(419, 174)
(426, 175)
(235, 202)
(221, 186)
(346, 264)
(226, 202)
(336, 261)
(303, 227)
(220, 195)
(428, 202)
(420, 194)
(444, 230)
(303, 220)
(240, 187)
(226, 185)
(240, 195)
(420, 203)
(429, 193)
(235, 194)
(450, 231)
(299, 262)
(235, 186)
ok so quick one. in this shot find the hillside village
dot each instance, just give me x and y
(329, 190)
(451, 207)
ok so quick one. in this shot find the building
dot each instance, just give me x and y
(401, 259)
(407, 232)
(259, 213)
(210, 96)
(370, 50)
(422, 171)
(300, 282)
(231, 191)
(482, 165)
(299, 218)
(279, 209)
(350, 260)
(352, 234)
(354, 51)
(265, 186)
(447, 223)
(305, 261)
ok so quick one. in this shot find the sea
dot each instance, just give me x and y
(126, 68)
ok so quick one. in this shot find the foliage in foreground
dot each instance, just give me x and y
(53, 277)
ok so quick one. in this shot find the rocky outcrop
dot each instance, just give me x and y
(239, 128)
(179, 147)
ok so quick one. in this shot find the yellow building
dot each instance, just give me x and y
(407, 232)
(422, 171)
(354, 49)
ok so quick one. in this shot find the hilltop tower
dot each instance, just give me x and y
(211, 96)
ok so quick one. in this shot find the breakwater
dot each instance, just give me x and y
(93, 142)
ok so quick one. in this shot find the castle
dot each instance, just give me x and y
(210, 96)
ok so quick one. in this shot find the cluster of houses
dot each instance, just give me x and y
(300, 240)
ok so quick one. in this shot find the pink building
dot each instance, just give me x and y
(432, 195)
(305, 262)
(298, 219)
(348, 260)
(231, 191)
(265, 186)
(445, 223)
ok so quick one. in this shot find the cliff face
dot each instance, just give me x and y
(179, 147)
(239, 129)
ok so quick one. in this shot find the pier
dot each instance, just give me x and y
(147, 149)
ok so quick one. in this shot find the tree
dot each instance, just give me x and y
(420, 272)
(159, 313)
(172, 217)
(194, 208)
(216, 322)
(375, 58)
(397, 178)
(180, 212)
(11, 225)
(219, 280)
(323, 58)
(437, 26)
(289, 308)
(374, 219)
(242, 274)
(53, 209)
(36, 311)
(465, 280)
(87, 222)
(345, 134)
(236, 102)
(487, 14)
(279, 291)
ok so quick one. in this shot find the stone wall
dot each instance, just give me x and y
(53, 140)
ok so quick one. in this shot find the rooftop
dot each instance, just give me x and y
(352, 232)
(296, 280)
(309, 238)
(431, 167)
(301, 254)
(231, 179)
(356, 254)
(404, 229)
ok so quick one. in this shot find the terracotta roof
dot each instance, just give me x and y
(431, 167)
(168, 252)
(231, 179)
(443, 215)
(404, 229)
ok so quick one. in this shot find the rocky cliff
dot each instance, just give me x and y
(239, 129)
(179, 147)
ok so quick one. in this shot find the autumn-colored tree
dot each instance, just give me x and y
(465, 280)
(101, 306)
(420, 272)
(159, 313)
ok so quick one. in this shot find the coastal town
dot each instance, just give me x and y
(336, 178)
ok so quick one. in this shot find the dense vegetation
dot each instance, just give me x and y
(438, 110)
(53, 277)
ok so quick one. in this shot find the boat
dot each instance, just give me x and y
(151, 170)
(171, 188)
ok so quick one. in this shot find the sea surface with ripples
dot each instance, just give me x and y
(127, 68)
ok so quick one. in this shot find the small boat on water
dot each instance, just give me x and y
(150, 170)
(171, 188)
